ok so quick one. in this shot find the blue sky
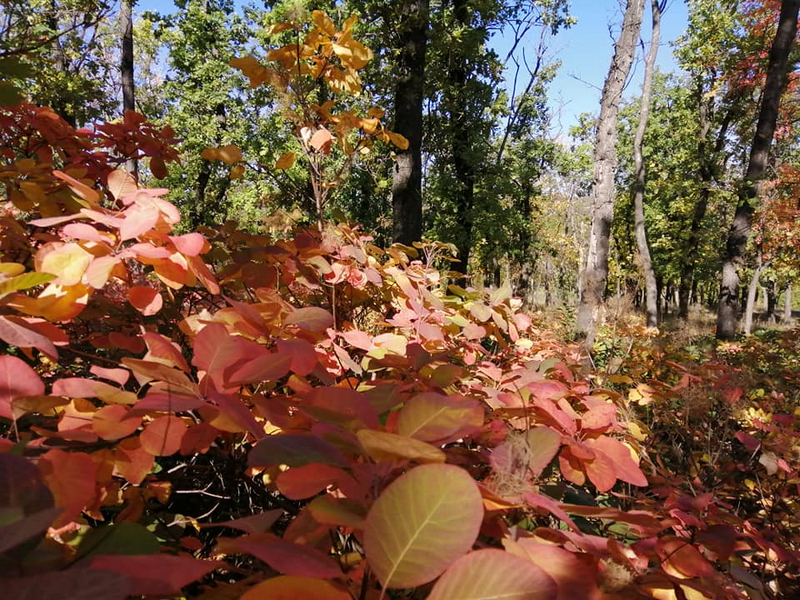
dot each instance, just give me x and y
(584, 51)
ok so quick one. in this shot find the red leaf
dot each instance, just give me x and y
(266, 367)
(75, 584)
(215, 349)
(198, 439)
(162, 437)
(625, 467)
(156, 575)
(287, 587)
(163, 348)
(679, 555)
(299, 483)
(258, 523)
(16, 379)
(118, 376)
(304, 357)
(145, 299)
(310, 318)
(158, 168)
(285, 557)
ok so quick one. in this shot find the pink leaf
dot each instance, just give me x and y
(191, 244)
(16, 379)
(492, 573)
(310, 318)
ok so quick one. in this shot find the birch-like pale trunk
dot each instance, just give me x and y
(593, 283)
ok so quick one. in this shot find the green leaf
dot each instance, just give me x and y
(421, 524)
(24, 282)
(120, 539)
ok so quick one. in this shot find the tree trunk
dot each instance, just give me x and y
(408, 96)
(462, 139)
(787, 304)
(651, 301)
(751, 297)
(593, 283)
(126, 70)
(727, 314)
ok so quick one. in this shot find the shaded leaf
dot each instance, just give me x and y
(295, 450)
(155, 575)
(283, 556)
(288, 587)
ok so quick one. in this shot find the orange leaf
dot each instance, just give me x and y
(162, 437)
(115, 422)
(71, 478)
(321, 140)
(145, 299)
(285, 161)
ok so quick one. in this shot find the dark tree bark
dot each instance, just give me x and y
(650, 291)
(412, 32)
(461, 132)
(593, 282)
(126, 69)
(727, 311)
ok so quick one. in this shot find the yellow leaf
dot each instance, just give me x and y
(237, 172)
(376, 113)
(285, 161)
(370, 126)
(252, 69)
(323, 23)
(68, 262)
(382, 446)
(398, 140)
(278, 27)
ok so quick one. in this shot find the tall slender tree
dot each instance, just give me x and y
(733, 259)
(651, 295)
(126, 67)
(411, 30)
(593, 282)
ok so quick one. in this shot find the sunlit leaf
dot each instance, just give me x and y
(421, 524)
(145, 299)
(492, 574)
(384, 446)
(285, 161)
(162, 437)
